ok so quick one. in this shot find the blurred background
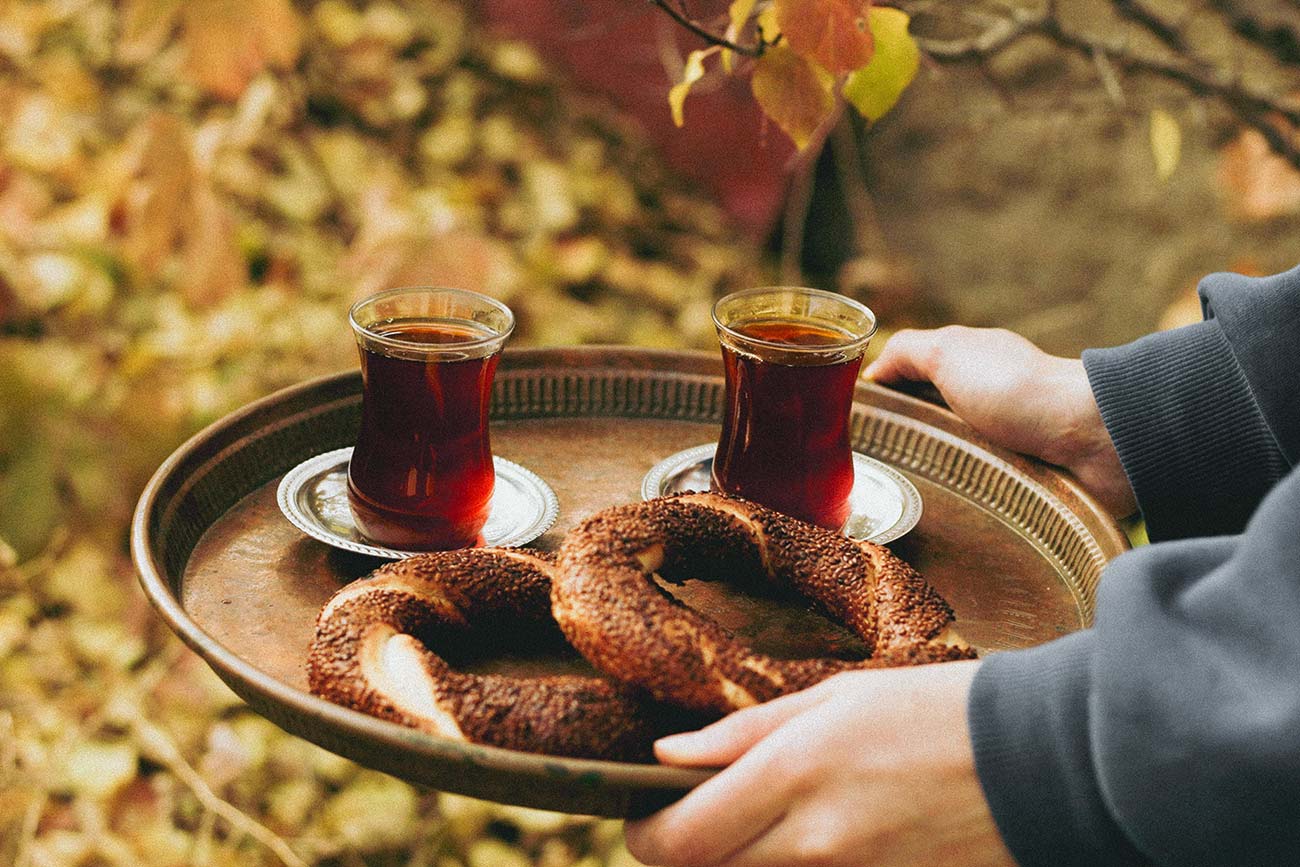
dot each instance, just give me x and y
(192, 192)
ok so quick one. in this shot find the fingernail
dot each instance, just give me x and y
(678, 745)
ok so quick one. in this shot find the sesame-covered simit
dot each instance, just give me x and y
(669, 668)
(368, 655)
(628, 627)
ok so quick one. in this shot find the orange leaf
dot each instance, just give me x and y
(792, 92)
(214, 268)
(833, 33)
(230, 42)
(159, 204)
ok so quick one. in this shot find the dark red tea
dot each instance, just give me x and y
(785, 432)
(421, 475)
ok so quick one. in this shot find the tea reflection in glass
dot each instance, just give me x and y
(791, 359)
(421, 475)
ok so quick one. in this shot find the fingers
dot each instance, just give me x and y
(733, 735)
(908, 355)
(804, 836)
(727, 812)
(719, 817)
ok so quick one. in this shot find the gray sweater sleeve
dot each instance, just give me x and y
(1168, 732)
(1207, 418)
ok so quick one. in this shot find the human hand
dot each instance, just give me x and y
(1017, 396)
(868, 767)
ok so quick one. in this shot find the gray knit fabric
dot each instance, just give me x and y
(1170, 731)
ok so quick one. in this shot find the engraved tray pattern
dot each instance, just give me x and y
(1015, 546)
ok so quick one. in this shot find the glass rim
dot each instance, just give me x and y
(835, 297)
(415, 346)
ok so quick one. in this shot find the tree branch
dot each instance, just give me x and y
(1257, 108)
(999, 34)
(1166, 31)
(1279, 39)
(706, 34)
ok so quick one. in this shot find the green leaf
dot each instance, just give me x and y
(875, 88)
(1166, 142)
(694, 72)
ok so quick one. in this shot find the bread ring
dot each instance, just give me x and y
(367, 654)
(630, 628)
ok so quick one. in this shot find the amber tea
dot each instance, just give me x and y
(421, 476)
(792, 358)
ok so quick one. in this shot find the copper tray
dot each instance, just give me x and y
(1015, 546)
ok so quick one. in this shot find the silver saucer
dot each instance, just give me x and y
(883, 504)
(314, 497)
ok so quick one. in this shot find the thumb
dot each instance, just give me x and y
(907, 355)
(731, 737)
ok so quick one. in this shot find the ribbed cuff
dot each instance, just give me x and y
(1188, 430)
(1028, 712)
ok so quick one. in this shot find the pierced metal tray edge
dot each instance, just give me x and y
(879, 431)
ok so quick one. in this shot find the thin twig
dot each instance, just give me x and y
(27, 836)
(802, 169)
(158, 746)
(1166, 31)
(706, 34)
(868, 236)
(1109, 80)
(1279, 38)
(999, 34)
(1256, 108)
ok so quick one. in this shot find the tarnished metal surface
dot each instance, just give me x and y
(1014, 546)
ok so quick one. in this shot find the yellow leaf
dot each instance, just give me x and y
(834, 34)
(146, 25)
(737, 14)
(1166, 142)
(694, 72)
(768, 25)
(875, 88)
(792, 92)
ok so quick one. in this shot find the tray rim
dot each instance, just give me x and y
(267, 695)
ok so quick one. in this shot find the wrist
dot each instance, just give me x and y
(1082, 444)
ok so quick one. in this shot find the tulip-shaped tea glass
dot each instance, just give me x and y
(421, 475)
(792, 358)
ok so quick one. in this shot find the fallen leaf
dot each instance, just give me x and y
(145, 27)
(158, 204)
(230, 42)
(1166, 142)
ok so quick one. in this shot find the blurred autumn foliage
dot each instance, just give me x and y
(191, 194)
(193, 191)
